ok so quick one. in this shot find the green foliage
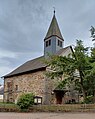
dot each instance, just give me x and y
(92, 30)
(84, 63)
(57, 65)
(66, 66)
(25, 101)
(92, 54)
(88, 99)
(8, 105)
(62, 84)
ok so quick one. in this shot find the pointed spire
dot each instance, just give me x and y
(54, 29)
(54, 10)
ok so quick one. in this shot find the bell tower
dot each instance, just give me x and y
(53, 40)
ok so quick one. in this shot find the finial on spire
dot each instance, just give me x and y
(54, 10)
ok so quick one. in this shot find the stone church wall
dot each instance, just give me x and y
(35, 83)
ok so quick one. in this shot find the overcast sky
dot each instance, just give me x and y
(24, 24)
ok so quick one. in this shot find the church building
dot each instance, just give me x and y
(30, 77)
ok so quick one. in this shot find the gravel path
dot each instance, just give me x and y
(47, 115)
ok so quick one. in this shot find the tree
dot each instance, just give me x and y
(80, 61)
(68, 65)
(83, 65)
(92, 30)
(91, 75)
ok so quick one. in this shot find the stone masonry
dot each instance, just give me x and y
(35, 83)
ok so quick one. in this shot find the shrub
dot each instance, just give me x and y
(25, 101)
(89, 99)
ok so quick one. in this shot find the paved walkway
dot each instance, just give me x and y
(47, 115)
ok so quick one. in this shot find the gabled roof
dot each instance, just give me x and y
(54, 29)
(64, 51)
(34, 65)
(29, 66)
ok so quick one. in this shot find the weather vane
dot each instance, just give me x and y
(54, 9)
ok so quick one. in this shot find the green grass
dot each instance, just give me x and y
(64, 108)
(8, 105)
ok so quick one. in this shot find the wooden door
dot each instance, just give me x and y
(59, 97)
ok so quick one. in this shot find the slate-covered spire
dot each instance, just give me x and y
(53, 41)
(54, 29)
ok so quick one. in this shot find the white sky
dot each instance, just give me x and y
(24, 24)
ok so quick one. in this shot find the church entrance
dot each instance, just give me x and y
(59, 94)
(59, 97)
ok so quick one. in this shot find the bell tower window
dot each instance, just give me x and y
(59, 43)
(48, 43)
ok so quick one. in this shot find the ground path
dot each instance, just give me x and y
(47, 115)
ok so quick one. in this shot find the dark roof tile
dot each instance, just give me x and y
(54, 29)
(28, 66)
(34, 64)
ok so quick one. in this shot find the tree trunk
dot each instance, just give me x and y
(94, 96)
(83, 91)
(82, 87)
